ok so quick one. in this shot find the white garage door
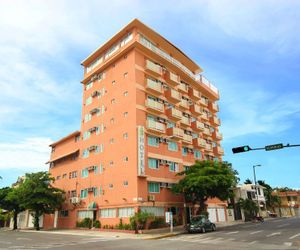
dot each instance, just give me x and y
(212, 216)
(221, 214)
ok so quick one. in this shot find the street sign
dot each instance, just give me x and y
(274, 147)
(241, 149)
(168, 216)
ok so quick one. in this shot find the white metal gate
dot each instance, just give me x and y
(212, 216)
(221, 214)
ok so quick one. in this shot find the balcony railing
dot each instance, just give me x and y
(174, 113)
(185, 121)
(154, 86)
(199, 142)
(154, 105)
(204, 116)
(219, 150)
(173, 78)
(187, 138)
(196, 125)
(208, 147)
(204, 102)
(198, 78)
(153, 67)
(177, 133)
(194, 94)
(182, 87)
(173, 95)
(219, 136)
(196, 109)
(156, 126)
(215, 107)
(206, 131)
(184, 103)
(216, 120)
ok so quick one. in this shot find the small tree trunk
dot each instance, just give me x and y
(15, 219)
(202, 207)
(37, 220)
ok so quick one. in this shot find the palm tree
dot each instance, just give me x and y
(247, 181)
(250, 208)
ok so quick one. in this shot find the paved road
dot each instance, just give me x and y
(273, 234)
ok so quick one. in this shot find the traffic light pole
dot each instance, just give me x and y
(243, 149)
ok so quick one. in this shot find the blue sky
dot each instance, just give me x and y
(249, 49)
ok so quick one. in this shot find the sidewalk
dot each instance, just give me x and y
(147, 234)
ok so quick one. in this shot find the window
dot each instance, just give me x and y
(184, 151)
(64, 176)
(88, 85)
(83, 193)
(88, 101)
(108, 213)
(100, 190)
(125, 74)
(84, 173)
(153, 187)
(153, 163)
(85, 214)
(58, 177)
(197, 154)
(172, 146)
(157, 211)
(186, 168)
(86, 135)
(174, 167)
(85, 153)
(96, 170)
(153, 141)
(73, 193)
(125, 183)
(125, 93)
(87, 117)
(125, 136)
(101, 168)
(63, 213)
(111, 186)
(170, 124)
(125, 212)
(125, 114)
(95, 192)
(99, 148)
(72, 174)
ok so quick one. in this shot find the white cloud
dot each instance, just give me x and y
(31, 154)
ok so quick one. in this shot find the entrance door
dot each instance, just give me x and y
(221, 214)
(212, 216)
(55, 219)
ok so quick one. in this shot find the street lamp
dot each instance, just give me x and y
(258, 165)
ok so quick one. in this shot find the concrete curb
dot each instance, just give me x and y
(164, 236)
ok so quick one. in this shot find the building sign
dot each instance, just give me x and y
(141, 150)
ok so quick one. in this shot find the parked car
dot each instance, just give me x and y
(200, 224)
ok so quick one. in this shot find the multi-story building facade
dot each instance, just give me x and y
(147, 114)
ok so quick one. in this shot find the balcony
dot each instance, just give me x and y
(204, 116)
(187, 139)
(175, 133)
(155, 106)
(153, 68)
(173, 79)
(197, 126)
(184, 103)
(195, 109)
(185, 121)
(215, 107)
(199, 142)
(218, 136)
(183, 88)
(204, 102)
(216, 120)
(174, 114)
(153, 86)
(156, 127)
(194, 94)
(218, 150)
(206, 131)
(173, 95)
(208, 147)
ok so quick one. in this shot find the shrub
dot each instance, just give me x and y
(85, 223)
(157, 223)
(139, 220)
(97, 224)
(120, 225)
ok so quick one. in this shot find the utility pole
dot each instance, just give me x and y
(256, 189)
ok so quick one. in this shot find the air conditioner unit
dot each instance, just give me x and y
(163, 162)
(94, 77)
(92, 129)
(92, 148)
(95, 93)
(170, 185)
(91, 168)
(90, 189)
(163, 184)
(151, 197)
(75, 200)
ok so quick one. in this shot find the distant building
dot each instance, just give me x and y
(290, 203)
(147, 114)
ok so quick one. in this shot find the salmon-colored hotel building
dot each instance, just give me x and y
(147, 113)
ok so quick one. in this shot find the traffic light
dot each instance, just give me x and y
(241, 149)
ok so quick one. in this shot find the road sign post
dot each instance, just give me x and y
(169, 219)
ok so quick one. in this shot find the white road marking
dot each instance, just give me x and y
(283, 225)
(294, 236)
(276, 221)
(252, 242)
(230, 239)
(256, 232)
(288, 244)
(235, 232)
(273, 234)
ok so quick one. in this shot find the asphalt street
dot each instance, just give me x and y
(281, 233)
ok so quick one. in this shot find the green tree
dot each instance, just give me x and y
(10, 201)
(39, 196)
(247, 181)
(206, 179)
(250, 208)
(272, 199)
